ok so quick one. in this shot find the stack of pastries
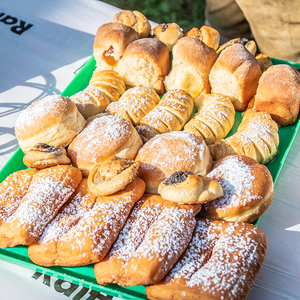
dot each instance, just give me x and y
(144, 173)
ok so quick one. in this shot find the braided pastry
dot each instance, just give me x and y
(214, 119)
(171, 114)
(104, 87)
(134, 104)
(256, 137)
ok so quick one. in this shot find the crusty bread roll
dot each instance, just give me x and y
(110, 43)
(169, 152)
(170, 114)
(104, 137)
(49, 189)
(153, 238)
(145, 62)
(208, 35)
(135, 20)
(247, 186)
(168, 33)
(236, 74)
(214, 119)
(221, 262)
(256, 137)
(105, 87)
(53, 120)
(134, 104)
(278, 94)
(12, 191)
(191, 64)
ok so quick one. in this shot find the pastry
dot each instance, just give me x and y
(250, 45)
(154, 236)
(169, 152)
(221, 262)
(134, 104)
(236, 74)
(49, 189)
(145, 62)
(104, 137)
(247, 186)
(53, 120)
(264, 61)
(214, 119)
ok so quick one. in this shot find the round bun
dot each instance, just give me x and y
(103, 138)
(247, 186)
(53, 120)
(169, 152)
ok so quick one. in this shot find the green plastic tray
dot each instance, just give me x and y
(84, 276)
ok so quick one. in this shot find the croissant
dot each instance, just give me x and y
(134, 104)
(256, 137)
(104, 87)
(214, 119)
(171, 114)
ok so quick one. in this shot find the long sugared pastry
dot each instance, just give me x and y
(154, 236)
(221, 262)
(49, 189)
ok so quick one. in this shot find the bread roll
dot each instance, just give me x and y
(103, 138)
(169, 152)
(278, 94)
(134, 104)
(49, 189)
(236, 74)
(191, 64)
(135, 20)
(214, 119)
(221, 262)
(153, 238)
(53, 120)
(208, 35)
(105, 87)
(110, 43)
(145, 62)
(247, 186)
(168, 33)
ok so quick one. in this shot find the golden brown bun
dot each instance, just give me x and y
(247, 186)
(43, 156)
(214, 119)
(191, 64)
(84, 230)
(110, 43)
(49, 189)
(134, 104)
(186, 187)
(111, 176)
(208, 35)
(105, 87)
(145, 62)
(135, 20)
(53, 120)
(236, 74)
(221, 262)
(168, 33)
(256, 137)
(278, 94)
(170, 114)
(12, 191)
(103, 138)
(264, 61)
(169, 152)
(153, 238)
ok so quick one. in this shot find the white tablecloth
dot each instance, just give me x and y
(42, 60)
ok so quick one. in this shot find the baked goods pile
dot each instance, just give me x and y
(121, 172)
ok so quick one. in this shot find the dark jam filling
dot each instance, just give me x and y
(177, 177)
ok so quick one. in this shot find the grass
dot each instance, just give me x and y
(186, 13)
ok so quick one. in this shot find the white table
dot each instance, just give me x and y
(43, 60)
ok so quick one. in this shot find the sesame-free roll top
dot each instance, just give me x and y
(53, 120)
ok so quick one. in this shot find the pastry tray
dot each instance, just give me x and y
(84, 276)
